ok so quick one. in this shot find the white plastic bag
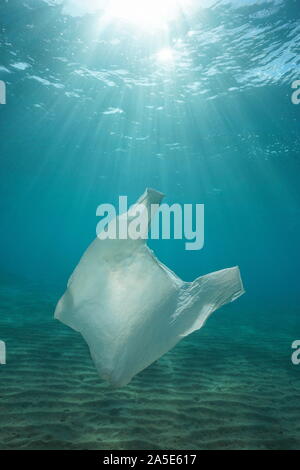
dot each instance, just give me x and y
(131, 309)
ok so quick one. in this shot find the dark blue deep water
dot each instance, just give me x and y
(101, 103)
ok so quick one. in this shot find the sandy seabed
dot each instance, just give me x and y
(229, 386)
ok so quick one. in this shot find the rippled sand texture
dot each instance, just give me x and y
(230, 386)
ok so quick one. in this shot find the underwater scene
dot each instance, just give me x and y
(188, 340)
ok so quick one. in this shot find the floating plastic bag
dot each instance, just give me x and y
(130, 308)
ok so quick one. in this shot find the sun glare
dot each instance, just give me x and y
(165, 56)
(146, 13)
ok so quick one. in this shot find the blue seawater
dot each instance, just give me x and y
(201, 109)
